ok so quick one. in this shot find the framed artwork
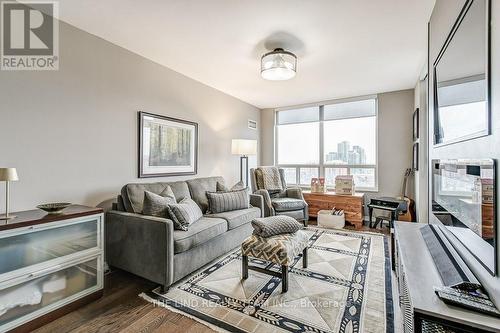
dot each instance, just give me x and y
(167, 146)
(415, 157)
(415, 124)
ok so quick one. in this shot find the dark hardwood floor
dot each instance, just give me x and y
(121, 310)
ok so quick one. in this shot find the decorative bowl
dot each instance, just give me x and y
(53, 208)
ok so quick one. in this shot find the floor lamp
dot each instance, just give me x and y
(7, 175)
(244, 148)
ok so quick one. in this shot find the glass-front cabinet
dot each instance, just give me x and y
(46, 266)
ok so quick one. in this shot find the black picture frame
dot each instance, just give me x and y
(416, 124)
(142, 170)
(414, 163)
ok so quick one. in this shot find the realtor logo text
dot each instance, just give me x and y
(29, 35)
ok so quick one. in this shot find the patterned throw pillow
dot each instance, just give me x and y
(184, 213)
(157, 204)
(275, 225)
(238, 186)
(219, 202)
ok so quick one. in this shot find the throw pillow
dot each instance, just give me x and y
(167, 192)
(238, 186)
(184, 213)
(219, 202)
(275, 225)
(157, 204)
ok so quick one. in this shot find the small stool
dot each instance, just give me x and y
(280, 249)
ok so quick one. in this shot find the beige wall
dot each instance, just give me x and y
(420, 178)
(395, 140)
(267, 136)
(395, 110)
(72, 133)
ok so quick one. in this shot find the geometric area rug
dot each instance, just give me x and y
(346, 288)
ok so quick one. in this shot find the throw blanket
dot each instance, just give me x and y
(30, 294)
(271, 178)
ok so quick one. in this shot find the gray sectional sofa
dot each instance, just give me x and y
(150, 247)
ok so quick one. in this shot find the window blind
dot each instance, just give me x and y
(355, 109)
(295, 116)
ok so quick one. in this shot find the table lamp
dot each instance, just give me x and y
(244, 148)
(7, 175)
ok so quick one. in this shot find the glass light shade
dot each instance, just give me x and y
(244, 147)
(278, 65)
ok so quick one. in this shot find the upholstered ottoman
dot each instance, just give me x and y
(280, 249)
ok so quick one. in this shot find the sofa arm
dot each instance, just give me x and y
(257, 201)
(266, 198)
(140, 244)
(294, 192)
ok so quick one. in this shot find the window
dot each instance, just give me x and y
(328, 140)
(295, 141)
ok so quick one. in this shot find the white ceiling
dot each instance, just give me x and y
(345, 48)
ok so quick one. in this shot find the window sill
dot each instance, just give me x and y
(361, 189)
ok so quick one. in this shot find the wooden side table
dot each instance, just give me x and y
(351, 204)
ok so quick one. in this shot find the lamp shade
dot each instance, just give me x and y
(244, 147)
(8, 174)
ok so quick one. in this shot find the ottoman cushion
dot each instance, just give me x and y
(275, 225)
(280, 249)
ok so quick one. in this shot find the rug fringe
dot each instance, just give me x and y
(170, 308)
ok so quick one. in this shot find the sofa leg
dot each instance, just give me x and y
(164, 289)
(244, 267)
(284, 278)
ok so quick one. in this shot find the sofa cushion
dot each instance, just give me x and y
(239, 217)
(133, 194)
(286, 204)
(184, 213)
(157, 204)
(219, 202)
(198, 233)
(199, 188)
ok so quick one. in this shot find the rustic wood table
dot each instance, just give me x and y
(351, 204)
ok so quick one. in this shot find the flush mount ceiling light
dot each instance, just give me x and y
(278, 65)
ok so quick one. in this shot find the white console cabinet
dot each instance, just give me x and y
(421, 309)
(49, 263)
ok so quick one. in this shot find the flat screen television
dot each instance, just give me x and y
(461, 78)
(463, 199)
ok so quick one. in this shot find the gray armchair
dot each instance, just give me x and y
(288, 201)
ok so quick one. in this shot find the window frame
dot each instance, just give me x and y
(322, 166)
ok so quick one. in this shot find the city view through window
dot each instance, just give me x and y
(348, 145)
(346, 154)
